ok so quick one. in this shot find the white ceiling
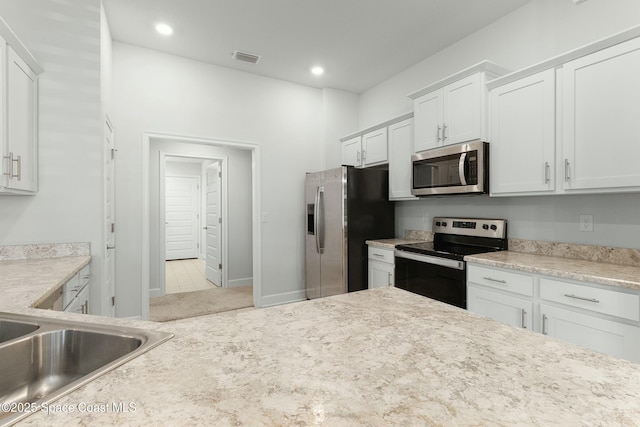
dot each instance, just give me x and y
(359, 42)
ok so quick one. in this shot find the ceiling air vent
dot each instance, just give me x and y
(246, 57)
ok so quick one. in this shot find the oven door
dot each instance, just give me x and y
(441, 279)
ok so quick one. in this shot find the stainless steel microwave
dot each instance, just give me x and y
(453, 169)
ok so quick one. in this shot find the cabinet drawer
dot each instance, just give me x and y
(501, 279)
(382, 255)
(613, 303)
(84, 275)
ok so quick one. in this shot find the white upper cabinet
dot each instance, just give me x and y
(454, 109)
(352, 152)
(374, 147)
(601, 119)
(522, 135)
(428, 111)
(400, 151)
(19, 116)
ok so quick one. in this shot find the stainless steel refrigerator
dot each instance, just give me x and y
(345, 207)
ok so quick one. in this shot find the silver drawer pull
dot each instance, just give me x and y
(379, 255)
(491, 279)
(581, 298)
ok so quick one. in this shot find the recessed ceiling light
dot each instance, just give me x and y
(164, 29)
(317, 71)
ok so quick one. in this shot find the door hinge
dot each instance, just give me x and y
(113, 227)
(219, 266)
(219, 174)
(198, 245)
(113, 153)
(113, 300)
(219, 220)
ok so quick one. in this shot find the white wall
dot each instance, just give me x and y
(535, 32)
(340, 116)
(167, 94)
(239, 256)
(65, 39)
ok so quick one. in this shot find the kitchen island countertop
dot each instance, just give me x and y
(376, 357)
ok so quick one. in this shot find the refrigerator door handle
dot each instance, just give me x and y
(320, 220)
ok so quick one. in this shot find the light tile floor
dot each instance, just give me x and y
(186, 275)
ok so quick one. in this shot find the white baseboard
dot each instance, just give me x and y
(235, 283)
(283, 298)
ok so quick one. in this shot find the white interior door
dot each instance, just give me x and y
(214, 237)
(109, 218)
(181, 217)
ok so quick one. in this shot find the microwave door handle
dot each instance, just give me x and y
(463, 159)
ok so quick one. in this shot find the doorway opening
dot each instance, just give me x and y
(234, 260)
(193, 211)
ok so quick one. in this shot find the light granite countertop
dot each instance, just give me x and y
(624, 276)
(28, 282)
(376, 357)
(391, 243)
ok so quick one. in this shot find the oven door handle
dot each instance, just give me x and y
(463, 179)
(444, 262)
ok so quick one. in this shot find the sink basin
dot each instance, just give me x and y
(11, 329)
(49, 358)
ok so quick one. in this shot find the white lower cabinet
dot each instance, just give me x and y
(592, 332)
(596, 317)
(75, 295)
(381, 267)
(512, 310)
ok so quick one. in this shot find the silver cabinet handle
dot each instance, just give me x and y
(321, 221)
(358, 158)
(544, 324)
(567, 177)
(582, 298)
(491, 279)
(389, 279)
(316, 219)
(444, 132)
(364, 156)
(439, 138)
(547, 170)
(11, 161)
(379, 255)
(523, 319)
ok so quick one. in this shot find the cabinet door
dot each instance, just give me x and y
(507, 309)
(374, 147)
(351, 152)
(400, 151)
(601, 129)
(427, 114)
(606, 336)
(380, 274)
(462, 120)
(22, 107)
(522, 135)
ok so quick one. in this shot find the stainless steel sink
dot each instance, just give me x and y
(54, 357)
(10, 329)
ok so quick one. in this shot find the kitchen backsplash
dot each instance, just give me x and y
(566, 250)
(46, 250)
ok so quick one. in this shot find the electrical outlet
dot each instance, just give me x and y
(586, 222)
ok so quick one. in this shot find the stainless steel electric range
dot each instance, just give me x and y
(437, 269)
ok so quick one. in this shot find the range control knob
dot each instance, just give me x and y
(437, 223)
(494, 227)
(444, 224)
(485, 226)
